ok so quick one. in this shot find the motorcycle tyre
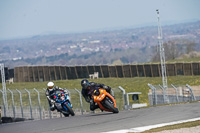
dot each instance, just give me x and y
(70, 109)
(66, 115)
(111, 106)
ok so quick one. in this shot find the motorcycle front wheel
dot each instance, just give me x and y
(70, 109)
(66, 115)
(111, 106)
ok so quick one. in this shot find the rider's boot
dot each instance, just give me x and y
(52, 108)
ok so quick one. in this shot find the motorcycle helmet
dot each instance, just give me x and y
(50, 86)
(85, 83)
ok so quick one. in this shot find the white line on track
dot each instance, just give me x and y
(141, 129)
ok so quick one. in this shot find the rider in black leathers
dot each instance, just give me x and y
(50, 93)
(88, 90)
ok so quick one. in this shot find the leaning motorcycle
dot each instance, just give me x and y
(63, 104)
(105, 101)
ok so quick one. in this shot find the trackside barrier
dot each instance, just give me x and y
(39, 102)
(32, 103)
(20, 95)
(81, 102)
(124, 97)
(113, 93)
(154, 96)
(49, 107)
(165, 99)
(4, 107)
(174, 94)
(13, 104)
(36, 98)
(29, 95)
(192, 94)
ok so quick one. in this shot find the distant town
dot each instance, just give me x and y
(133, 45)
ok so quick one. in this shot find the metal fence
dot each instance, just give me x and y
(173, 94)
(33, 104)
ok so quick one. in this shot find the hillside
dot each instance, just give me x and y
(134, 45)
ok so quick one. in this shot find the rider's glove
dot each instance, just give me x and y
(66, 92)
(56, 87)
(105, 87)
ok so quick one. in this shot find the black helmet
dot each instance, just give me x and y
(85, 83)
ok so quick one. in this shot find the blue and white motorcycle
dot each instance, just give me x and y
(63, 104)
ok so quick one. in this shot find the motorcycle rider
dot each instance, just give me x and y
(50, 92)
(88, 89)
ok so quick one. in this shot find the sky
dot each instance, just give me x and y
(26, 18)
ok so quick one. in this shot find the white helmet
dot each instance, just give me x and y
(50, 86)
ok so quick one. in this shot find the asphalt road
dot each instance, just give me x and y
(106, 121)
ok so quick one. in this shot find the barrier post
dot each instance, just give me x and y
(49, 107)
(164, 94)
(124, 97)
(176, 92)
(192, 94)
(13, 104)
(4, 107)
(81, 102)
(39, 103)
(154, 96)
(113, 93)
(20, 96)
(29, 95)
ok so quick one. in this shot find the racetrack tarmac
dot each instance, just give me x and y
(106, 121)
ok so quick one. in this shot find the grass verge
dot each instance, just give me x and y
(176, 126)
(137, 84)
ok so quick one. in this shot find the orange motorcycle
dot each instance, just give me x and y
(105, 101)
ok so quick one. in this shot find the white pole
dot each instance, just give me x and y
(4, 86)
(162, 53)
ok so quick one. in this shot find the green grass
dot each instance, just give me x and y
(130, 84)
(176, 126)
(137, 84)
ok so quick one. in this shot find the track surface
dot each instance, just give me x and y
(106, 121)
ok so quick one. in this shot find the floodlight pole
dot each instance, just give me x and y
(162, 53)
(4, 86)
